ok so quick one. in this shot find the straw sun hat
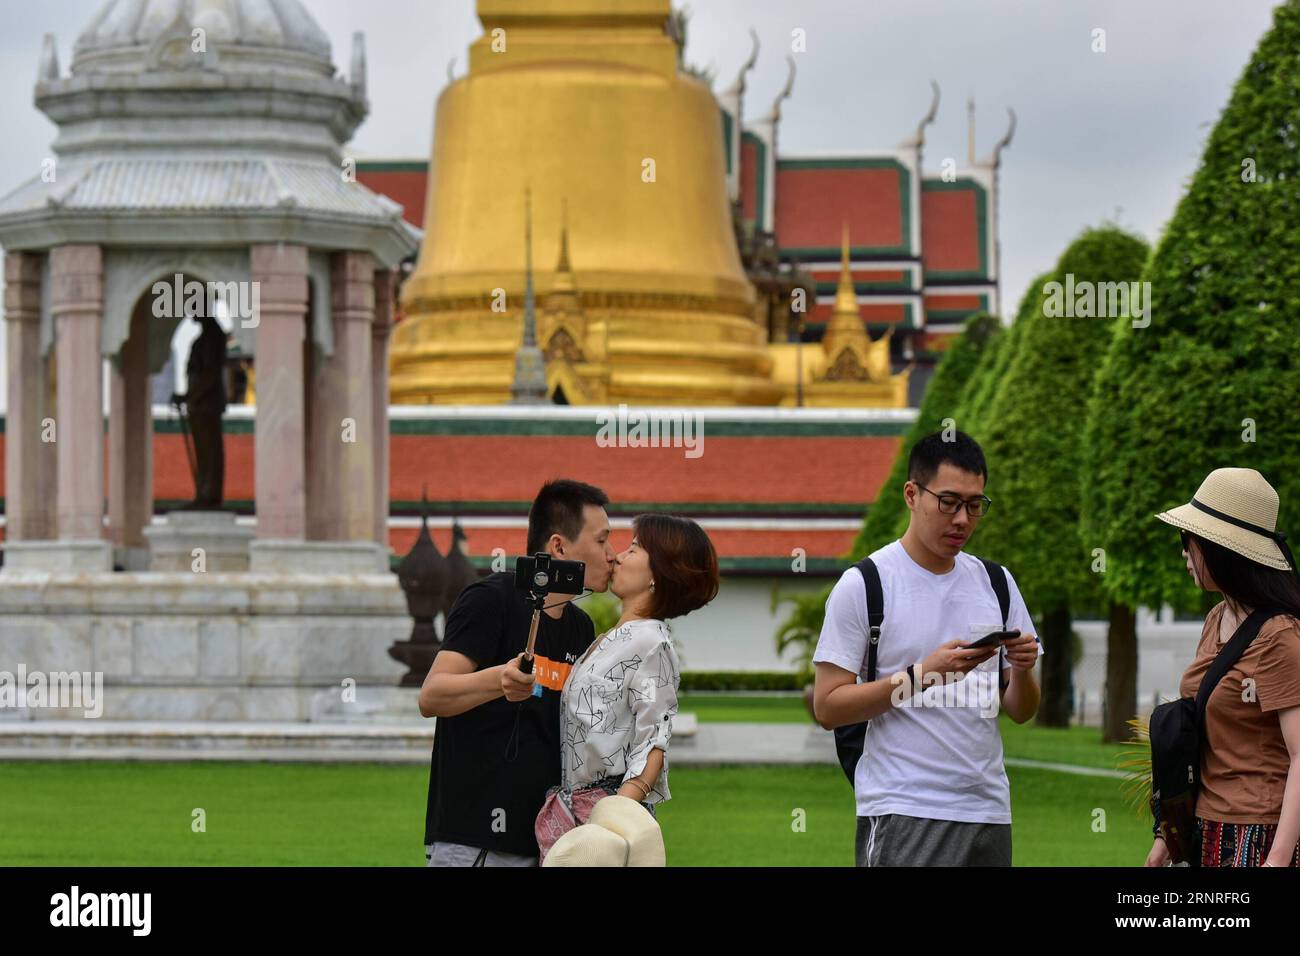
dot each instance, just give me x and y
(619, 832)
(1237, 508)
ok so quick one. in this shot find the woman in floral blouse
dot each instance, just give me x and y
(619, 701)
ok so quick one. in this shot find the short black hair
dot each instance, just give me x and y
(557, 509)
(954, 448)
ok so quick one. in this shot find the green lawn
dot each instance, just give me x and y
(96, 813)
(122, 814)
(1073, 745)
(744, 708)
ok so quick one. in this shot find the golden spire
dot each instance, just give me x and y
(846, 320)
(529, 385)
(846, 299)
(563, 271)
(846, 342)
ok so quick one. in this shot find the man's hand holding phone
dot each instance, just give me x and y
(955, 657)
(1022, 652)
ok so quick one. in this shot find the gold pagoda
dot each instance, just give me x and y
(643, 296)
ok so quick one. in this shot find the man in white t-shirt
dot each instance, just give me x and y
(930, 786)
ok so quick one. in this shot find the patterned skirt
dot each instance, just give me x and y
(1238, 844)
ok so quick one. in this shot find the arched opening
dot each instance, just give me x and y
(148, 472)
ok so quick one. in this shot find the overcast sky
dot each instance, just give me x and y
(1100, 135)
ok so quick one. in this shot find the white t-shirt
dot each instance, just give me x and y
(939, 756)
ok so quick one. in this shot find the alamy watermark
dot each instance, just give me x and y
(651, 428)
(178, 298)
(130, 910)
(977, 689)
(1099, 300)
(69, 690)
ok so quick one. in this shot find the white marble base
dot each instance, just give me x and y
(274, 556)
(68, 557)
(408, 742)
(131, 558)
(215, 646)
(368, 705)
(223, 544)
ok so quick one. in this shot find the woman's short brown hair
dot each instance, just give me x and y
(683, 564)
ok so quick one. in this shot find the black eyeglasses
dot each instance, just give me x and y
(951, 504)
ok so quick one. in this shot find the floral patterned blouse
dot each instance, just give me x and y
(617, 705)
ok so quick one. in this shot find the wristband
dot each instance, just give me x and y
(911, 676)
(898, 684)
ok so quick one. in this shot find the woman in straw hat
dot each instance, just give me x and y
(1248, 806)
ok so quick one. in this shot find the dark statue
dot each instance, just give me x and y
(204, 403)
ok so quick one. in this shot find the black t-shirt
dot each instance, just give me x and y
(479, 794)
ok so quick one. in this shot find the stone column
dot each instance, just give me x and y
(279, 441)
(385, 285)
(130, 448)
(77, 303)
(341, 497)
(48, 457)
(26, 515)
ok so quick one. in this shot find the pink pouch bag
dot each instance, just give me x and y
(561, 812)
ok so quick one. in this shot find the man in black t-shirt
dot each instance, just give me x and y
(493, 760)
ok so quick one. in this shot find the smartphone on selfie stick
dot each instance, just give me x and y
(540, 575)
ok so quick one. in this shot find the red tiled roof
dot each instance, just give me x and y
(805, 471)
(404, 183)
(859, 275)
(813, 202)
(873, 312)
(952, 303)
(950, 230)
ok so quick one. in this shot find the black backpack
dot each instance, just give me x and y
(849, 740)
(1177, 731)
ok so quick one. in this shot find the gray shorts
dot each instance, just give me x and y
(458, 854)
(896, 840)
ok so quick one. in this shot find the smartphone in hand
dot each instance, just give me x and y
(996, 637)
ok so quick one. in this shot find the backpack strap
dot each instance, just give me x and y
(875, 611)
(851, 738)
(998, 578)
(1223, 662)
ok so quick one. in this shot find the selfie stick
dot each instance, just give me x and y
(526, 665)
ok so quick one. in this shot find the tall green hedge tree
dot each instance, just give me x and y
(1213, 381)
(982, 387)
(1032, 435)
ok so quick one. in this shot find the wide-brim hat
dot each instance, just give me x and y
(1236, 508)
(588, 845)
(633, 822)
(619, 832)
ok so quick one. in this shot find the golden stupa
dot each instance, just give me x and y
(642, 295)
